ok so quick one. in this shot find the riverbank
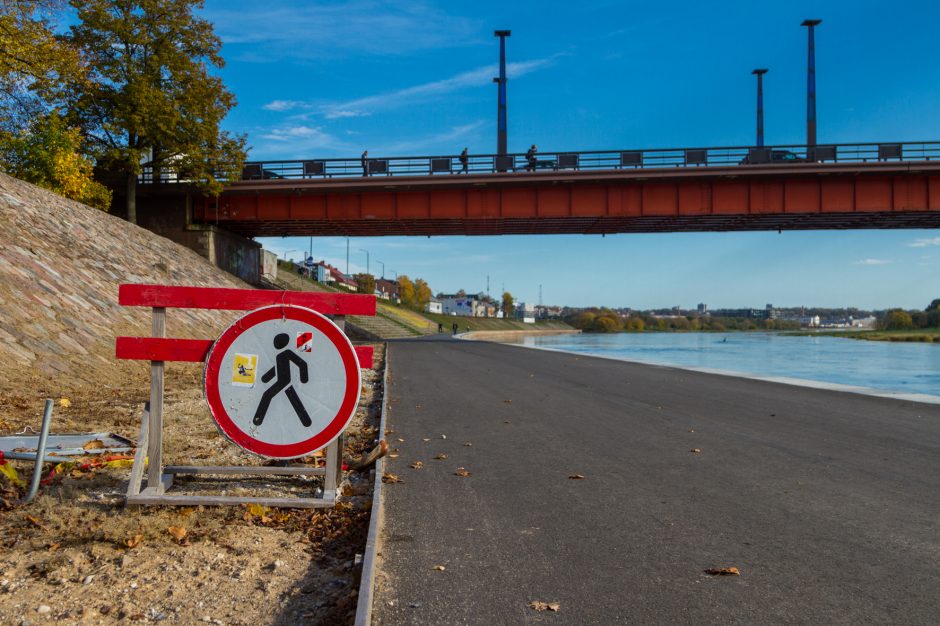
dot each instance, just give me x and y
(924, 335)
(513, 336)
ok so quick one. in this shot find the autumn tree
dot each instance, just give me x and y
(151, 96)
(406, 290)
(507, 307)
(36, 66)
(897, 319)
(365, 283)
(48, 154)
(422, 294)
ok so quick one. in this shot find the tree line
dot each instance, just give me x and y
(604, 320)
(899, 319)
(128, 85)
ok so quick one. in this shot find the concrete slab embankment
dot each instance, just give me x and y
(825, 501)
(513, 335)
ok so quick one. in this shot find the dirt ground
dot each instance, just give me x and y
(76, 555)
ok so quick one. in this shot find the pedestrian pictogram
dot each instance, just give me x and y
(282, 370)
(282, 382)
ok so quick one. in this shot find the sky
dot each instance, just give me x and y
(331, 79)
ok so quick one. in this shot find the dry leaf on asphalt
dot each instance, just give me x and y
(389, 477)
(178, 532)
(439, 568)
(540, 606)
(576, 477)
(426, 439)
(508, 401)
(723, 571)
(696, 450)
(417, 465)
(393, 456)
(691, 430)
(133, 542)
(461, 472)
(441, 456)
(400, 439)
(467, 445)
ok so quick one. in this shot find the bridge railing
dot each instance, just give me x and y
(649, 158)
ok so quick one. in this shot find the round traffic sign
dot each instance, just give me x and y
(309, 262)
(282, 382)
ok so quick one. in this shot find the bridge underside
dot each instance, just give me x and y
(800, 197)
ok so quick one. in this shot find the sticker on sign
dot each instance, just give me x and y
(280, 398)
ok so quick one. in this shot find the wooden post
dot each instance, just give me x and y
(140, 455)
(155, 443)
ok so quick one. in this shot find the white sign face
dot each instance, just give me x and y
(282, 382)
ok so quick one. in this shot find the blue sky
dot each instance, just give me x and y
(330, 79)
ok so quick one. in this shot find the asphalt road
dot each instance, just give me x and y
(827, 502)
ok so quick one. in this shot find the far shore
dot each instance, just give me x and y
(503, 335)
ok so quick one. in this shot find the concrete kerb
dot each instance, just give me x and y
(367, 582)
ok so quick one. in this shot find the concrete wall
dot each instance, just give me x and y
(170, 216)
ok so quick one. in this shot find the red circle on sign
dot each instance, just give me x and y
(336, 426)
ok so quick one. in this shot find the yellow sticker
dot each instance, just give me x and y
(243, 370)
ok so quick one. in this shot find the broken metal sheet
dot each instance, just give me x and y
(65, 447)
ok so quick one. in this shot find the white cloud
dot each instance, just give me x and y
(283, 105)
(925, 242)
(361, 107)
(873, 262)
(276, 29)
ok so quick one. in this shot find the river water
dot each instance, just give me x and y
(888, 366)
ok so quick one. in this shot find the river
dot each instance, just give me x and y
(907, 368)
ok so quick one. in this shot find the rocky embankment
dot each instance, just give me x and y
(60, 266)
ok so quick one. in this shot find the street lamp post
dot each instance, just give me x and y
(383, 268)
(367, 259)
(290, 251)
(760, 106)
(501, 124)
(811, 83)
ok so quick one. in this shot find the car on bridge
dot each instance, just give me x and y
(767, 155)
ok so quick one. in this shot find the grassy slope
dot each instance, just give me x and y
(926, 335)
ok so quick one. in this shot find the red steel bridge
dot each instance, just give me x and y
(845, 186)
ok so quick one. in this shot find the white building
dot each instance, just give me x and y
(434, 306)
(526, 312)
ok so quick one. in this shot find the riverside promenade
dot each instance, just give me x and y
(827, 502)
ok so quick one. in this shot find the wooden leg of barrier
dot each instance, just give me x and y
(329, 480)
(140, 456)
(155, 443)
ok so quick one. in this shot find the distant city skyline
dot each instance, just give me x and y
(330, 80)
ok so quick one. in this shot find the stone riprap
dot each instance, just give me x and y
(60, 266)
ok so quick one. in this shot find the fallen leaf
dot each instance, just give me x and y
(441, 456)
(576, 477)
(467, 445)
(426, 439)
(389, 431)
(393, 456)
(723, 571)
(178, 532)
(35, 521)
(65, 402)
(696, 450)
(443, 436)
(94, 444)
(540, 606)
(388, 477)
(461, 472)
(439, 568)
(52, 547)
(691, 430)
(400, 439)
(133, 542)
(508, 401)
(417, 465)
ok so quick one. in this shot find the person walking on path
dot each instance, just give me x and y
(365, 162)
(530, 158)
(453, 329)
(283, 383)
(464, 161)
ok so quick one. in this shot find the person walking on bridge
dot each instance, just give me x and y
(531, 158)
(464, 161)
(365, 162)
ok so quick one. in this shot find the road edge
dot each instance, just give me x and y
(367, 580)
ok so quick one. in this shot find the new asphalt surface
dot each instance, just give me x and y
(827, 502)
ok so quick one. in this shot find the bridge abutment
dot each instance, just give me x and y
(170, 216)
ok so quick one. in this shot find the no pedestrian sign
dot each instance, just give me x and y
(282, 381)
